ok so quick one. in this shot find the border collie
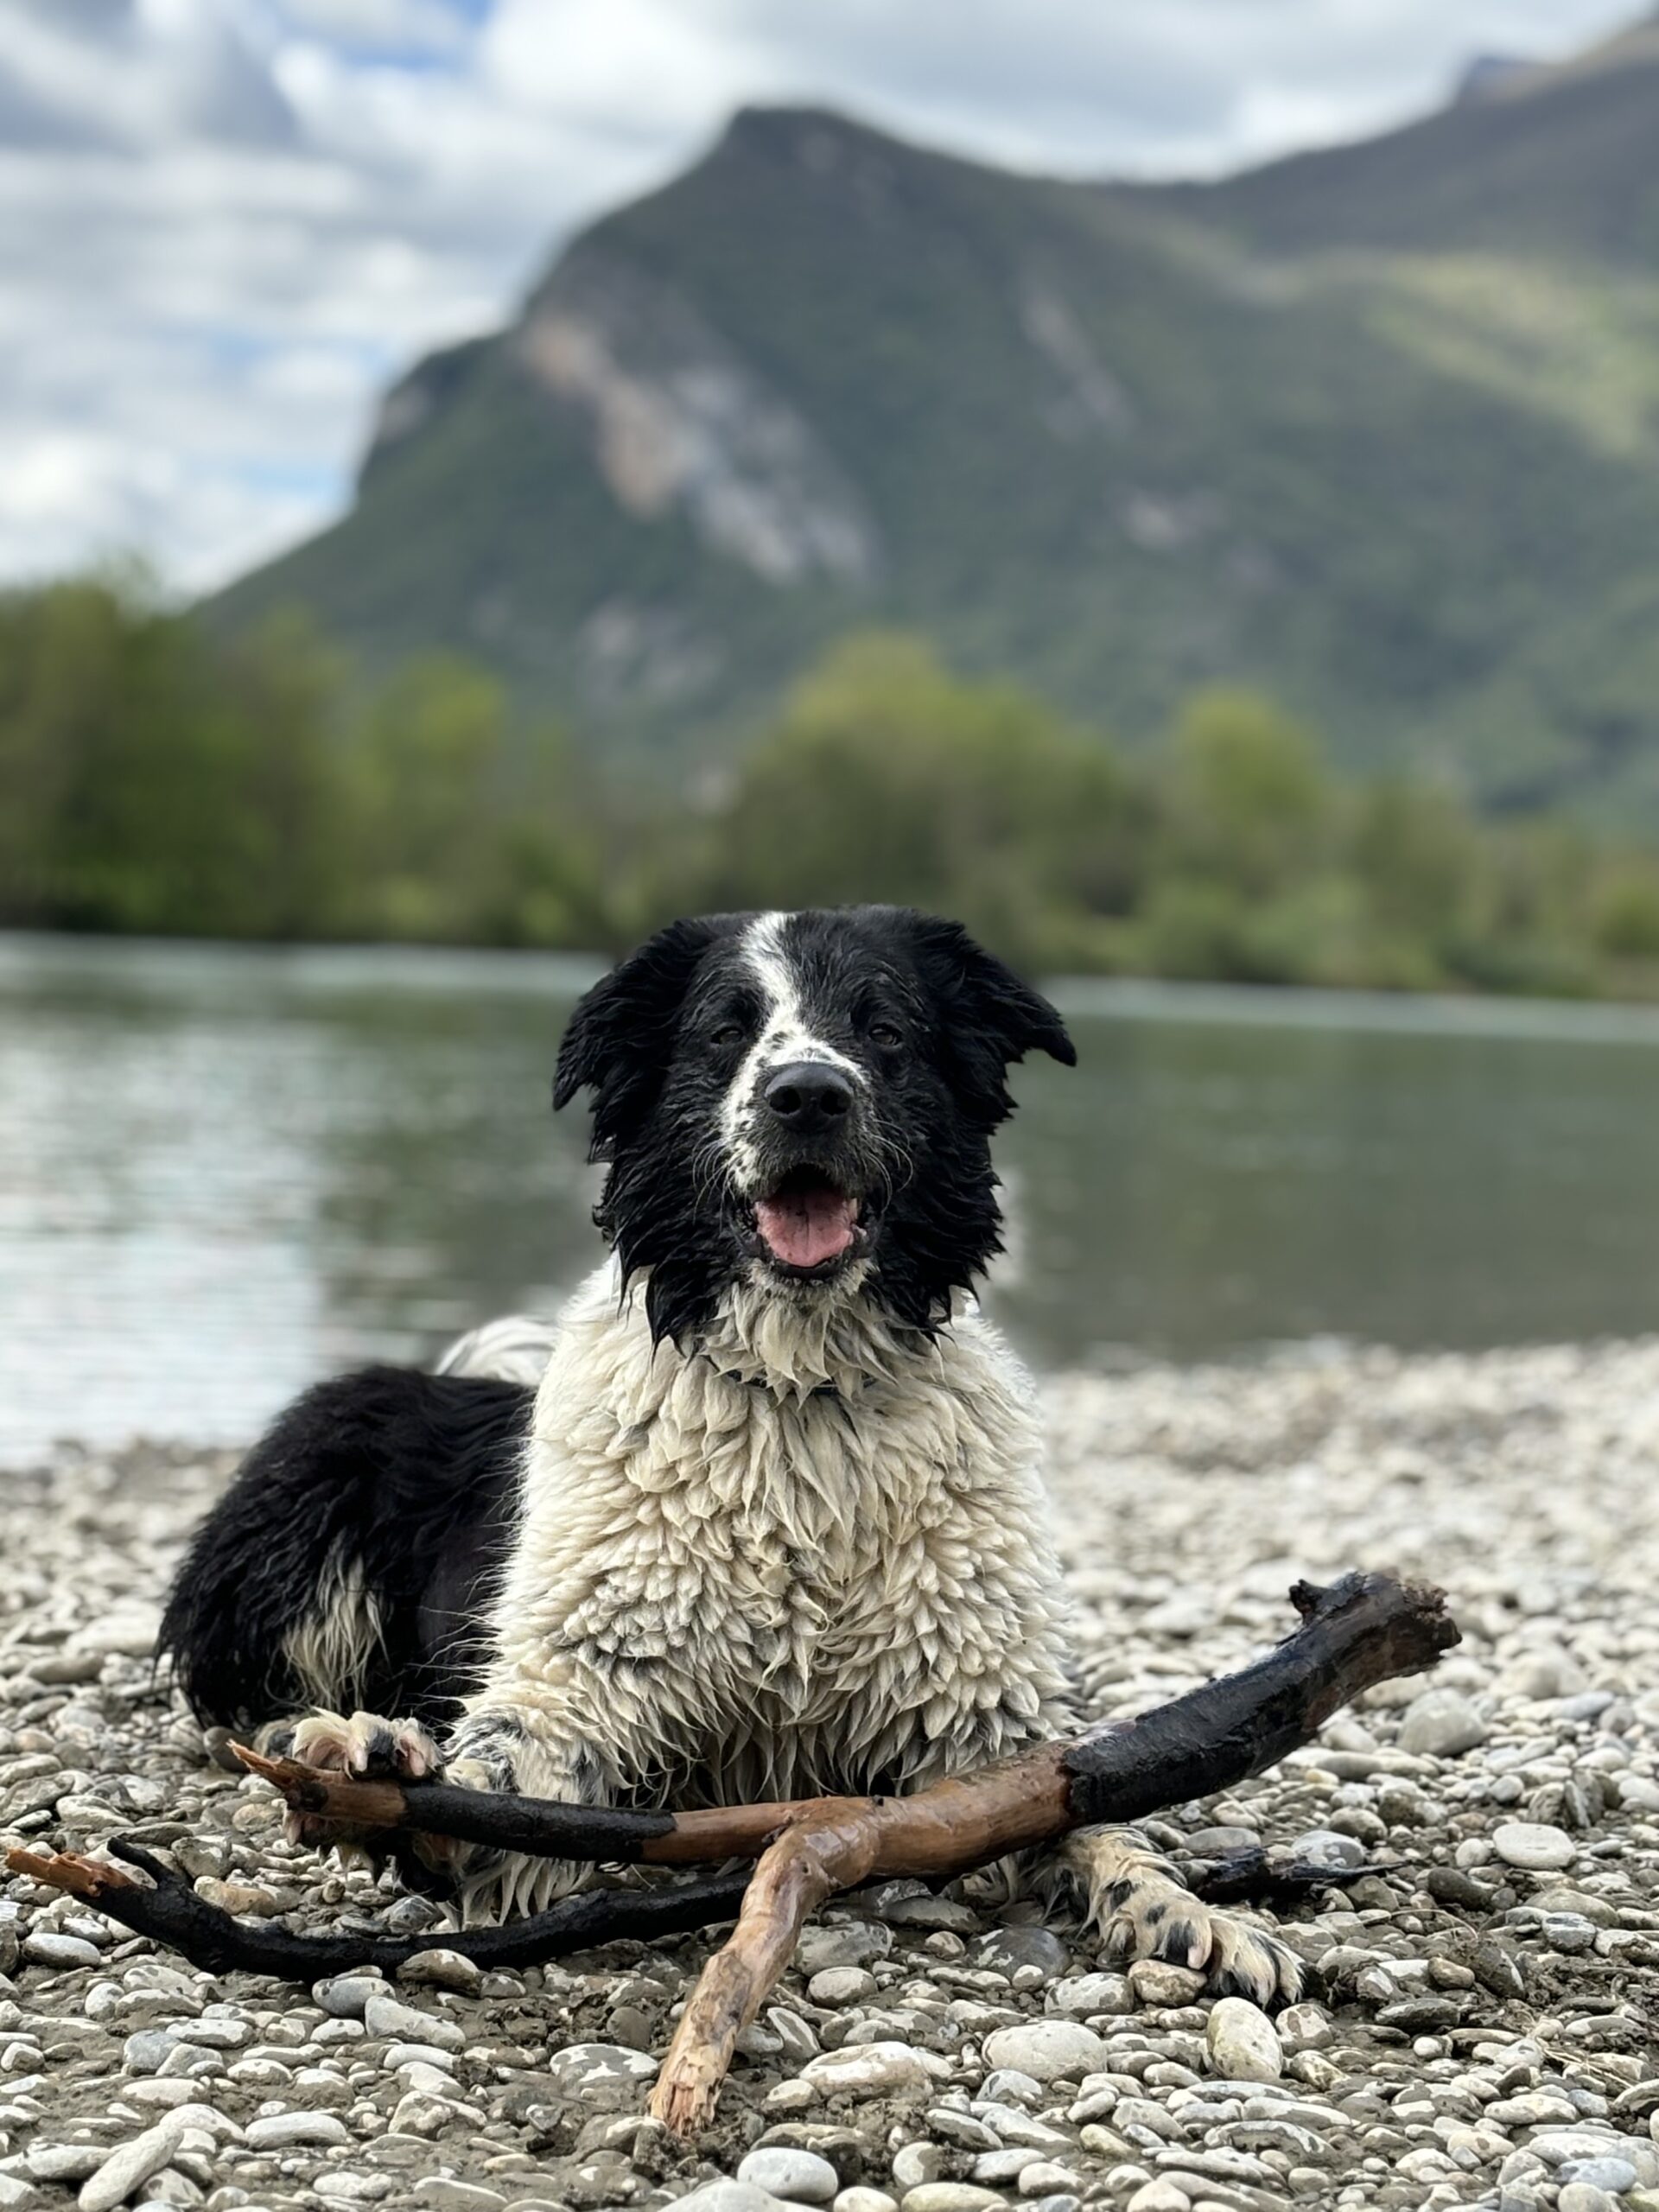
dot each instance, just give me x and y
(761, 1516)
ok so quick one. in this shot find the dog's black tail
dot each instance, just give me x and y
(347, 1564)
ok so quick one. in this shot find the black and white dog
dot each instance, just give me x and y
(761, 1514)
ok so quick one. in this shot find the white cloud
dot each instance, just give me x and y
(227, 222)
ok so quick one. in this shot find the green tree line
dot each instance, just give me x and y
(154, 779)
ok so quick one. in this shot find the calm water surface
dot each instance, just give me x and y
(225, 1172)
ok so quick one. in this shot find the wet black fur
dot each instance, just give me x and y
(413, 1477)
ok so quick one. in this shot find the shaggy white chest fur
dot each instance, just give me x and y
(812, 1555)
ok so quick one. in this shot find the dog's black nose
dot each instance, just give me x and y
(810, 1094)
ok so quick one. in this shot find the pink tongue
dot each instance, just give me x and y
(807, 1227)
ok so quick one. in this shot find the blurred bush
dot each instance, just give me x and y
(154, 779)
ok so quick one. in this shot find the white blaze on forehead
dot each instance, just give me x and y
(783, 1040)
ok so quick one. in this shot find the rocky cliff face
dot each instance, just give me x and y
(677, 421)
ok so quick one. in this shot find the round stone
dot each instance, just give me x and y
(950, 2197)
(44, 1947)
(1442, 1724)
(1328, 1847)
(1159, 2194)
(344, 1996)
(1221, 1842)
(1155, 1982)
(383, 2015)
(1049, 2050)
(1535, 1845)
(443, 2193)
(1243, 2043)
(1083, 1994)
(915, 2163)
(285, 2131)
(837, 1986)
(1307, 2027)
(1613, 2174)
(601, 2073)
(1005, 1950)
(443, 1969)
(729, 2196)
(875, 2069)
(801, 2176)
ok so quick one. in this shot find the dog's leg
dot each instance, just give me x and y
(528, 1745)
(1143, 1911)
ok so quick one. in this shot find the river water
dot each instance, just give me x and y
(226, 1172)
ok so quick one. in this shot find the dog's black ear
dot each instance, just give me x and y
(990, 1018)
(618, 1039)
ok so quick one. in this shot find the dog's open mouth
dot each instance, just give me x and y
(807, 1224)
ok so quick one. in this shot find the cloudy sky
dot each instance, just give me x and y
(224, 224)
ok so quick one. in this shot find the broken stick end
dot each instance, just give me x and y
(684, 2108)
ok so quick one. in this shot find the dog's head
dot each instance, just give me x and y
(803, 1102)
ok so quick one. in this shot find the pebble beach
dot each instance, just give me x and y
(1481, 2025)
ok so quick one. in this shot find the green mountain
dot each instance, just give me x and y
(1375, 428)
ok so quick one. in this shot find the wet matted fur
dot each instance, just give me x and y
(772, 1522)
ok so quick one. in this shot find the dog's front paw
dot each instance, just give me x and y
(1144, 1912)
(1152, 1916)
(364, 1746)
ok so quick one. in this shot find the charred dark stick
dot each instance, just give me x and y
(167, 1909)
(1363, 1630)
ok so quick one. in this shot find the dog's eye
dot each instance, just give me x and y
(728, 1033)
(886, 1034)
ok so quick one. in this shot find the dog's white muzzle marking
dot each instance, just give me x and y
(785, 1040)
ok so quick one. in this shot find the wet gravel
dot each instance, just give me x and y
(1483, 2022)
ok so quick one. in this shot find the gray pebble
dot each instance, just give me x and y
(838, 1986)
(601, 2073)
(1049, 2050)
(950, 2197)
(147, 2049)
(1006, 1950)
(443, 1969)
(385, 2015)
(285, 2131)
(800, 2176)
(1441, 1724)
(1328, 1847)
(1613, 2174)
(345, 1997)
(915, 2163)
(1533, 1844)
(728, 2196)
(443, 2194)
(1243, 2043)
(43, 1947)
(128, 2168)
(1585, 2197)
